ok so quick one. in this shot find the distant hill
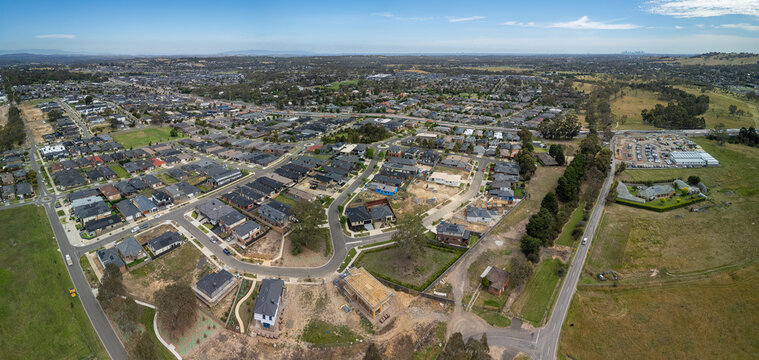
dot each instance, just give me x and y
(268, 53)
(712, 59)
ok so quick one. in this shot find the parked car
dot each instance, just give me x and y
(135, 229)
(226, 251)
(68, 259)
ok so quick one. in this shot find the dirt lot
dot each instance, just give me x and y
(266, 248)
(420, 196)
(34, 120)
(4, 114)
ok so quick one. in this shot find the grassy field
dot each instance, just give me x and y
(689, 281)
(339, 84)
(538, 293)
(38, 317)
(131, 139)
(392, 262)
(147, 320)
(565, 238)
(630, 106)
(719, 103)
(318, 332)
(542, 182)
(714, 318)
(720, 59)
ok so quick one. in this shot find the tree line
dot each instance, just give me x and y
(12, 134)
(682, 110)
(366, 134)
(555, 208)
(746, 136)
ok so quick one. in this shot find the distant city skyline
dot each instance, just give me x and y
(341, 27)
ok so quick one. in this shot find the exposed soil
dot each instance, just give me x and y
(306, 258)
(35, 121)
(267, 247)
(149, 234)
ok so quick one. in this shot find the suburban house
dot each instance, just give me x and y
(451, 233)
(165, 242)
(145, 205)
(95, 210)
(99, 225)
(445, 179)
(110, 192)
(272, 215)
(266, 311)
(480, 215)
(366, 290)
(365, 215)
(212, 287)
(497, 279)
(214, 210)
(131, 250)
(128, 210)
(111, 256)
(247, 232)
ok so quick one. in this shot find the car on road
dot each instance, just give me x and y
(213, 241)
(226, 251)
(156, 216)
(143, 226)
(585, 241)
(68, 260)
(135, 229)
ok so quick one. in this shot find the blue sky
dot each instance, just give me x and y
(506, 26)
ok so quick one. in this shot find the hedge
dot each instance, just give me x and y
(660, 208)
(429, 281)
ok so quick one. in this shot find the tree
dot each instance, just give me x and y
(88, 100)
(372, 353)
(174, 132)
(370, 153)
(557, 153)
(54, 115)
(719, 133)
(309, 216)
(111, 285)
(694, 180)
(526, 164)
(521, 270)
(144, 347)
(549, 202)
(732, 109)
(485, 282)
(473, 349)
(411, 235)
(530, 247)
(540, 226)
(176, 308)
(525, 135)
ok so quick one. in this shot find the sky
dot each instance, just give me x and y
(191, 27)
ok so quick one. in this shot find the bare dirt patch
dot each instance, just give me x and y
(4, 114)
(184, 264)
(34, 120)
(266, 248)
(306, 258)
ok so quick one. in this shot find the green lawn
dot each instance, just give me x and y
(166, 178)
(38, 317)
(339, 84)
(285, 199)
(131, 139)
(493, 318)
(537, 295)
(319, 332)
(565, 238)
(392, 264)
(120, 172)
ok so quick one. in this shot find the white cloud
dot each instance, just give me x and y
(55, 36)
(703, 8)
(742, 26)
(390, 15)
(470, 18)
(678, 27)
(518, 23)
(585, 23)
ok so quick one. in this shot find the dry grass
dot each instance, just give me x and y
(719, 104)
(714, 318)
(542, 182)
(630, 105)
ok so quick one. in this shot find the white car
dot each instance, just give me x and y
(585, 241)
(135, 229)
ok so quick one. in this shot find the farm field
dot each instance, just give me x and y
(132, 139)
(629, 106)
(38, 317)
(688, 280)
